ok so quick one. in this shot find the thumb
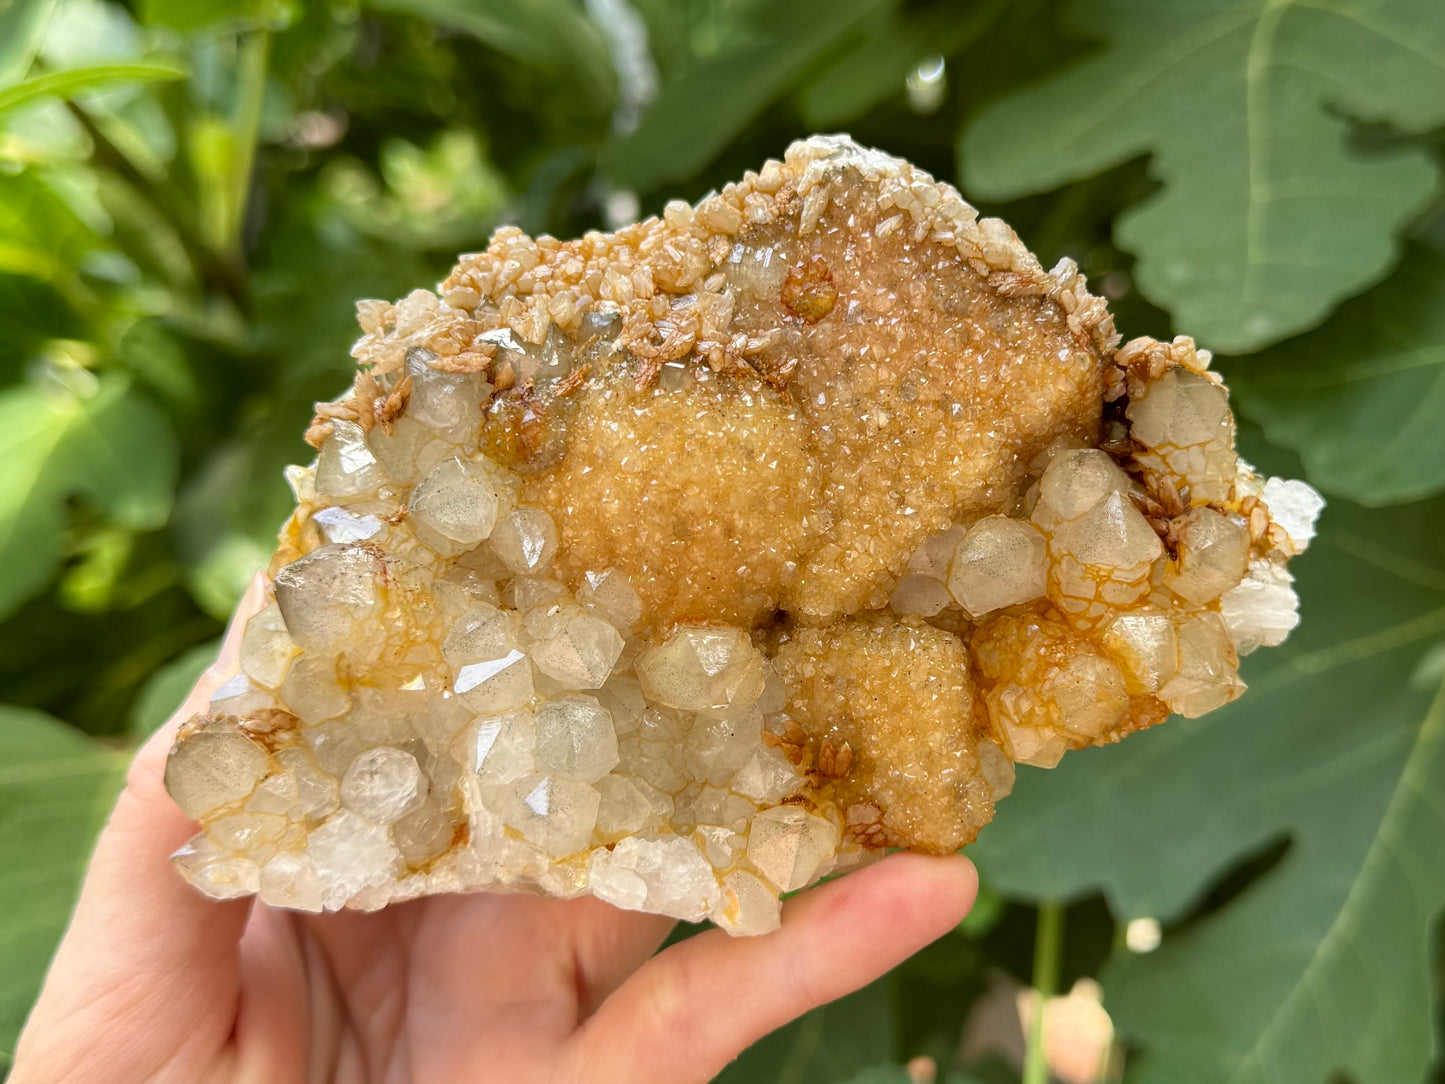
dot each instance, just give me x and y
(145, 954)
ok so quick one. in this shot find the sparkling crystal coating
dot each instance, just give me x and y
(688, 564)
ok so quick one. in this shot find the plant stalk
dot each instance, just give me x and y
(1048, 956)
(210, 267)
(254, 62)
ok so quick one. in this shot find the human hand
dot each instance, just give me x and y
(154, 982)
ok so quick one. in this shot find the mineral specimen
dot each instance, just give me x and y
(687, 564)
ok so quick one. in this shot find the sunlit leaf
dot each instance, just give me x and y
(1268, 215)
(55, 785)
(114, 447)
(185, 16)
(69, 83)
(22, 27)
(40, 235)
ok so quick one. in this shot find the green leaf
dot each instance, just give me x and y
(114, 447)
(698, 114)
(40, 236)
(55, 786)
(553, 34)
(826, 1045)
(1321, 965)
(73, 81)
(22, 27)
(163, 693)
(187, 17)
(887, 48)
(1362, 398)
(1268, 215)
(881, 1074)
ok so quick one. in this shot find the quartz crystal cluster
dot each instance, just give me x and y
(686, 564)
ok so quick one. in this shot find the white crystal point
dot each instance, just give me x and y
(498, 748)
(345, 466)
(288, 880)
(918, 594)
(550, 811)
(629, 806)
(1208, 675)
(458, 500)
(788, 845)
(212, 765)
(348, 853)
(1145, 645)
(240, 832)
(1036, 746)
(409, 451)
(1263, 609)
(704, 669)
(491, 672)
(448, 404)
(664, 876)
(481, 634)
(608, 594)
(1295, 506)
(526, 541)
(575, 738)
(279, 793)
(718, 748)
(1074, 482)
(749, 906)
(1113, 534)
(318, 791)
(581, 654)
(1090, 693)
(267, 648)
(339, 525)
(996, 769)
(999, 562)
(1180, 409)
(1213, 552)
(496, 684)
(383, 785)
(240, 696)
(215, 872)
(1184, 422)
(767, 777)
(326, 594)
(312, 691)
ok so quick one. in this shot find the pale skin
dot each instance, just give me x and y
(154, 982)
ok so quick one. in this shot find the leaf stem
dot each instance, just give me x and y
(210, 267)
(255, 59)
(1048, 952)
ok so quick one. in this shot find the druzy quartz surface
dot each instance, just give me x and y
(687, 564)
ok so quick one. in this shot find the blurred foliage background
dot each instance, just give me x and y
(192, 195)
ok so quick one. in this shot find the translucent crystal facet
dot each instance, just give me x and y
(324, 596)
(553, 812)
(999, 562)
(457, 501)
(703, 669)
(383, 785)
(575, 738)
